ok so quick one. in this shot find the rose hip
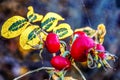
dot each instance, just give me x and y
(59, 63)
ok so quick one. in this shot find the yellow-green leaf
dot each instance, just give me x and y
(101, 31)
(89, 31)
(50, 21)
(63, 30)
(14, 26)
(29, 37)
(33, 17)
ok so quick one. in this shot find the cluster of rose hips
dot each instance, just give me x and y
(53, 46)
(85, 44)
(82, 49)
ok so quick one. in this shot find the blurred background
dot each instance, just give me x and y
(78, 13)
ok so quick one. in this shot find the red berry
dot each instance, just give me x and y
(102, 55)
(80, 33)
(59, 63)
(101, 48)
(80, 47)
(52, 43)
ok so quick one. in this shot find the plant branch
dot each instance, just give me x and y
(36, 70)
(80, 72)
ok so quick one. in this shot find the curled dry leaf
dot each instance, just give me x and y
(33, 17)
(101, 31)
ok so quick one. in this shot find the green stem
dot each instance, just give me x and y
(74, 38)
(62, 42)
(80, 72)
(65, 53)
(50, 75)
(40, 54)
(65, 72)
(44, 32)
(36, 70)
(62, 77)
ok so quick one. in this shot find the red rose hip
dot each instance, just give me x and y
(59, 63)
(101, 48)
(52, 43)
(80, 48)
(80, 33)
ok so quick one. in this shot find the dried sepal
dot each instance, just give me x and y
(94, 60)
(110, 56)
(101, 31)
(90, 61)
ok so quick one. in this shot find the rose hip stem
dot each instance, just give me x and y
(80, 72)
